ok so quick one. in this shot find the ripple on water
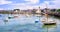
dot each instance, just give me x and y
(28, 25)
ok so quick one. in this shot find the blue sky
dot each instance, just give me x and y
(28, 4)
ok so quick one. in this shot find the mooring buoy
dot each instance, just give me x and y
(36, 21)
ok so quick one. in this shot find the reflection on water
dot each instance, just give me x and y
(50, 28)
(27, 24)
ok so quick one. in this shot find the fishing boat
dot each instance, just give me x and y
(10, 16)
(48, 21)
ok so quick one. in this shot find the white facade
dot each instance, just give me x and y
(38, 11)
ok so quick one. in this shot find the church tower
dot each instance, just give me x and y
(38, 11)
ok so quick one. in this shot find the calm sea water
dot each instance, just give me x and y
(25, 23)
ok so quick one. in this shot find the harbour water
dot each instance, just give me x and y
(24, 23)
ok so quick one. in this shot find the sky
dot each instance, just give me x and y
(28, 4)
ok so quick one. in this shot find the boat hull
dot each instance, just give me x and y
(49, 23)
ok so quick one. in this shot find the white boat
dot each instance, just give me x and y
(47, 21)
(10, 16)
(38, 15)
(16, 15)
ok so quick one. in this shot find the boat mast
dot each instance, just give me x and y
(46, 12)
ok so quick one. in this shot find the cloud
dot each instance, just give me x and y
(25, 6)
(4, 2)
(1, 8)
(30, 4)
(55, 4)
(42, 5)
(22, 6)
(32, 1)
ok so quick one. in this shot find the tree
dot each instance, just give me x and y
(34, 11)
(17, 9)
(53, 10)
(58, 10)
